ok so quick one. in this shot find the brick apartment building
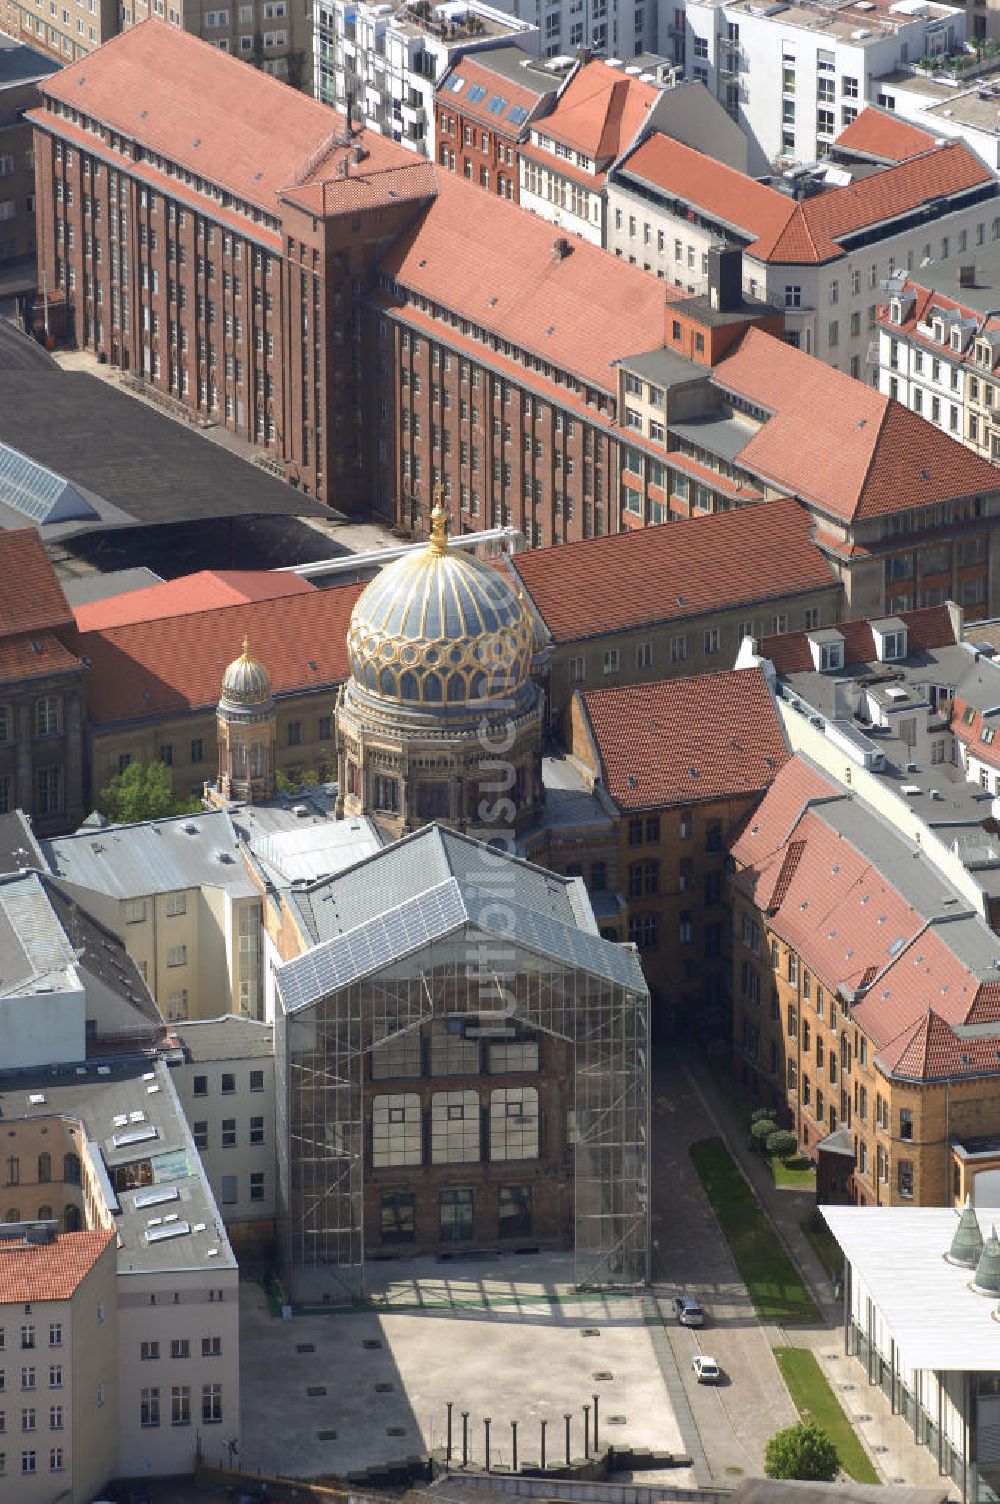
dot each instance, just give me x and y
(211, 259)
(378, 325)
(483, 107)
(21, 69)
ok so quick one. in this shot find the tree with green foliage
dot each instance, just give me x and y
(143, 791)
(760, 1113)
(761, 1131)
(802, 1451)
(781, 1143)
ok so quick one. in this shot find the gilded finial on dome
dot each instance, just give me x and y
(439, 522)
(246, 646)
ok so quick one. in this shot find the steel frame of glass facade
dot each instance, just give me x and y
(325, 1028)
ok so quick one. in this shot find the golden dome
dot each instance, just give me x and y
(246, 681)
(440, 627)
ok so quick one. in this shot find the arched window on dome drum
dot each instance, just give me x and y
(386, 793)
(387, 682)
(432, 688)
(456, 689)
(256, 760)
(409, 689)
(370, 680)
(480, 688)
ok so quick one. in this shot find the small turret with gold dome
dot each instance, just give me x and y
(440, 627)
(246, 726)
(246, 682)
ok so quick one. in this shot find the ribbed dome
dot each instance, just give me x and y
(967, 1244)
(246, 681)
(440, 627)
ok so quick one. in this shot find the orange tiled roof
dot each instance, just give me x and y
(33, 657)
(50, 1271)
(210, 112)
(600, 111)
(476, 71)
(32, 597)
(790, 231)
(927, 627)
(673, 571)
(495, 264)
(150, 668)
(880, 134)
(838, 443)
(203, 591)
(681, 741)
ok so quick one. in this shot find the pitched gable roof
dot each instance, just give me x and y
(176, 663)
(884, 136)
(49, 1271)
(673, 571)
(203, 591)
(927, 627)
(838, 443)
(600, 110)
(32, 598)
(496, 265)
(789, 231)
(682, 741)
(195, 105)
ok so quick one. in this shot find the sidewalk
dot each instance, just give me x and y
(886, 1437)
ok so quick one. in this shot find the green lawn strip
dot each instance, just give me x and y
(816, 1401)
(824, 1243)
(774, 1284)
(798, 1173)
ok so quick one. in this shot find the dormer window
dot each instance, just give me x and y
(956, 340)
(827, 649)
(983, 355)
(890, 639)
(938, 328)
(895, 311)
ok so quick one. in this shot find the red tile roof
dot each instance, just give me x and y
(673, 571)
(882, 135)
(928, 627)
(472, 71)
(600, 111)
(189, 102)
(790, 231)
(176, 663)
(866, 455)
(681, 741)
(203, 591)
(34, 657)
(32, 597)
(50, 1271)
(761, 844)
(495, 264)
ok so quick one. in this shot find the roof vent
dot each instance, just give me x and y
(300, 811)
(967, 1244)
(189, 828)
(561, 248)
(987, 1277)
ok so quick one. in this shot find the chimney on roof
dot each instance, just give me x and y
(967, 276)
(561, 248)
(349, 108)
(585, 55)
(725, 278)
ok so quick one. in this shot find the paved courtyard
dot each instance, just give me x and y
(332, 1393)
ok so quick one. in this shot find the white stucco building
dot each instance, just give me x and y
(386, 60)
(795, 75)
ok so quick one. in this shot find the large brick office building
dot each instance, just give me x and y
(377, 324)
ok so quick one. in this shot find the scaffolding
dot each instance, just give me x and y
(455, 952)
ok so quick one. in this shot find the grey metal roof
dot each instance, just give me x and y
(156, 856)
(87, 588)
(98, 1094)
(230, 1037)
(666, 368)
(720, 435)
(432, 915)
(409, 867)
(18, 847)
(20, 64)
(32, 941)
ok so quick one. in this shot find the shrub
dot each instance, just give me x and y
(761, 1131)
(760, 1113)
(782, 1143)
(801, 1451)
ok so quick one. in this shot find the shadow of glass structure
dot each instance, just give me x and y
(441, 927)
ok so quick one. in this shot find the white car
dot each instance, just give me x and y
(706, 1370)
